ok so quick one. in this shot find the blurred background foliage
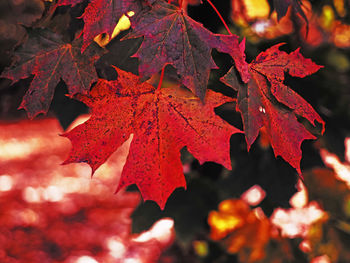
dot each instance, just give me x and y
(248, 214)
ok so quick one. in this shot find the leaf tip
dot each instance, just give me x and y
(242, 45)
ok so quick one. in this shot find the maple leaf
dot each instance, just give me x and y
(162, 122)
(47, 57)
(266, 102)
(171, 37)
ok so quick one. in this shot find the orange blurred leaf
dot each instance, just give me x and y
(243, 231)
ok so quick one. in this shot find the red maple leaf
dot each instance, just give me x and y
(266, 102)
(49, 59)
(162, 122)
(171, 37)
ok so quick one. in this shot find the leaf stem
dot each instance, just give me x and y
(161, 78)
(220, 16)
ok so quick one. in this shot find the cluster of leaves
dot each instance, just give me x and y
(327, 22)
(162, 120)
(245, 230)
(49, 212)
(45, 232)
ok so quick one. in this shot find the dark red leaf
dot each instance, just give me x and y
(49, 59)
(171, 37)
(162, 122)
(266, 102)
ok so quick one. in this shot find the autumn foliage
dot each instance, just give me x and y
(163, 120)
(169, 95)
